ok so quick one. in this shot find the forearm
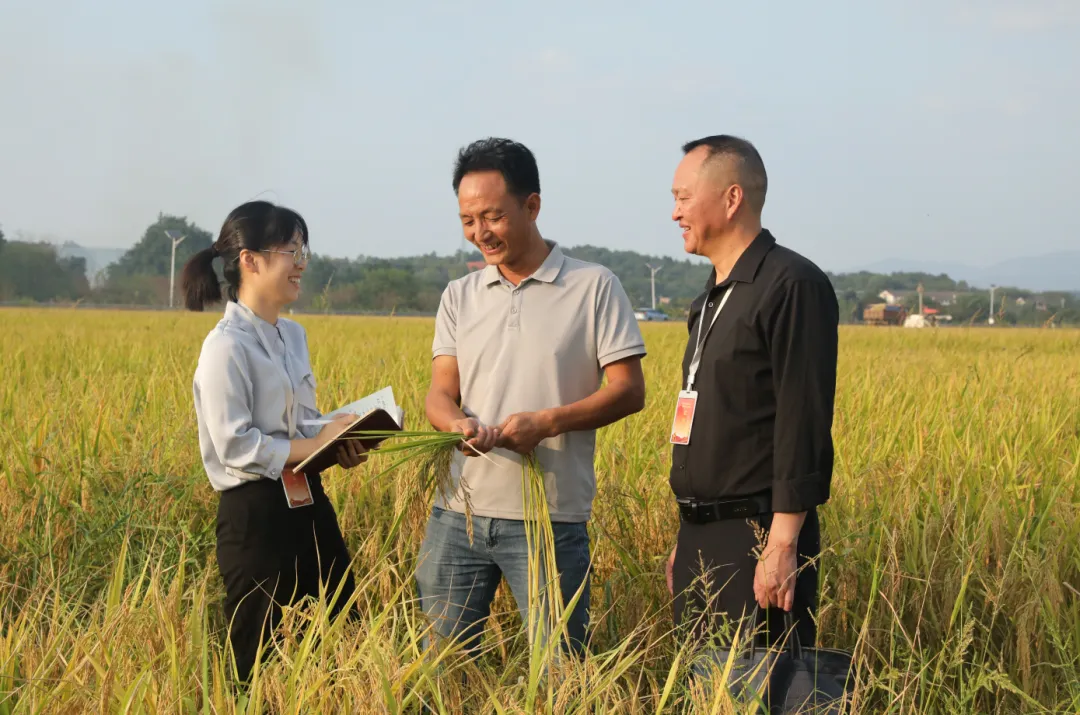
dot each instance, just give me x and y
(301, 449)
(784, 532)
(442, 410)
(257, 453)
(609, 404)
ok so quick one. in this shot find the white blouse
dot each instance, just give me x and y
(252, 386)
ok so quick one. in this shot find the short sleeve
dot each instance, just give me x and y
(445, 342)
(618, 336)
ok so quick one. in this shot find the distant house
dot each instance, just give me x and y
(664, 300)
(941, 297)
(1040, 305)
(1021, 301)
(892, 297)
(475, 265)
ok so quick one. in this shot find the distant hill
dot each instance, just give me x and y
(139, 276)
(683, 279)
(1053, 271)
(97, 259)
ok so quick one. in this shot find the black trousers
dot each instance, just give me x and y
(713, 579)
(270, 555)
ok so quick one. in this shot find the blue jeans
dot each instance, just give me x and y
(457, 581)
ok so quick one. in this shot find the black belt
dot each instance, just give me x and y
(703, 511)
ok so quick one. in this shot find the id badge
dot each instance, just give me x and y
(684, 417)
(297, 489)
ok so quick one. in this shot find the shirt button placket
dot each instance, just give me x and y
(515, 309)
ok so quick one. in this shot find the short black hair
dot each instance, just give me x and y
(510, 158)
(749, 167)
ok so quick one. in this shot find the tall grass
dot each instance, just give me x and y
(953, 535)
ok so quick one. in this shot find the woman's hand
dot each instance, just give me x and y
(351, 453)
(333, 429)
(301, 449)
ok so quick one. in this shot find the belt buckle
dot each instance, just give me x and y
(690, 510)
(695, 512)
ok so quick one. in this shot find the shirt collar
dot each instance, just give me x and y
(746, 268)
(235, 312)
(492, 275)
(547, 272)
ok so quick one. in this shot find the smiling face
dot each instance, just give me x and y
(273, 274)
(498, 223)
(706, 200)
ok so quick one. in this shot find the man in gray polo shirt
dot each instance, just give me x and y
(520, 351)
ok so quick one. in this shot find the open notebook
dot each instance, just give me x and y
(375, 413)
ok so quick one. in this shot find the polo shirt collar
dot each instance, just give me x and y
(552, 265)
(548, 271)
(746, 268)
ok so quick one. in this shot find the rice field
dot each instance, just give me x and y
(953, 536)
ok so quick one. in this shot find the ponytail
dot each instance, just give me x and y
(253, 226)
(199, 282)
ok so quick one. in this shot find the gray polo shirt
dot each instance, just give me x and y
(542, 344)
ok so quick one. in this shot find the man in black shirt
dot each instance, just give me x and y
(753, 452)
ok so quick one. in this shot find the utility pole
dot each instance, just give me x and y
(992, 289)
(176, 237)
(652, 279)
(920, 289)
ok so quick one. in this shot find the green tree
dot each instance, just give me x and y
(2, 240)
(851, 308)
(679, 280)
(870, 284)
(34, 271)
(151, 255)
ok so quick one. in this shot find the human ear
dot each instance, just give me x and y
(532, 206)
(249, 261)
(734, 197)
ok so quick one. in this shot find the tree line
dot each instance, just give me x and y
(35, 272)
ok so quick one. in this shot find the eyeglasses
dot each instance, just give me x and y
(300, 256)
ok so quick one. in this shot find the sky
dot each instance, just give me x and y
(937, 129)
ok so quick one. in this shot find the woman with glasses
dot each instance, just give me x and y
(277, 534)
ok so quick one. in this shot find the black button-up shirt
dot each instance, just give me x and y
(766, 383)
